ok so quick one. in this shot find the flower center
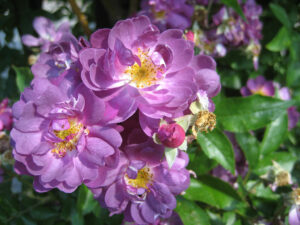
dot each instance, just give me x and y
(143, 179)
(69, 138)
(145, 74)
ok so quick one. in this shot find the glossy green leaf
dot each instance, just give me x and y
(23, 77)
(217, 146)
(199, 162)
(274, 135)
(212, 191)
(284, 159)
(280, 42)
(85, 200)
(236, 6)
(280, 14)
(250, 147)
(241, 114)
(190, 213)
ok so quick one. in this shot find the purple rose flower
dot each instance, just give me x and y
(294, 215)
(136, 67)
(59, 136)
(260, 86)
(166, 14)
(143, 186)
(60, 60)
(5, 115)
(47, 33)
(173, 220)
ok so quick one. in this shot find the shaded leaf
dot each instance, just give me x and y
(274, 135)
(241, 114)
(280, 42)
(250, 147)
(217, 146)
(23, 78)
(212, 191)
(190, 213)
(280, 14)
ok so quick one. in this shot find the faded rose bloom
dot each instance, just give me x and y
(47, 33)
(166, 14)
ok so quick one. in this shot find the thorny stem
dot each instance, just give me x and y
(81, 17)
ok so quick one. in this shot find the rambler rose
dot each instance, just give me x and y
(59, 136)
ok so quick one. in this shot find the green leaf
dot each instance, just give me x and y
(280, 42)
(284, 159)
(217, 146)
(236, 6)
(293, 74)
(281, 15)
(190, 213)
(250, 147)
(171, 154)
(23, 78)
(76, 217)
(199, 162)
(274, 135)
(212, 191)
(85, 200)
(241, 114)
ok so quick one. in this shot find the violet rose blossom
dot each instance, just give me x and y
(5, 115)
(166, 14)
(260, 86)
(61, 60)
(174, 219)
(143, 186)
(294, 215)
(47, 33)
(137, 67)
(59, 137)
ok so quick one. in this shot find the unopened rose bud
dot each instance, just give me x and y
(171, 135)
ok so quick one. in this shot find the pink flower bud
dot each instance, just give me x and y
(171, 135)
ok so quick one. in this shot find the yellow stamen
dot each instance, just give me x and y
(144, 75)
(143, 179)
(70, 138)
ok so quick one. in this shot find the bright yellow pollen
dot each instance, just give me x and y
(143, 179)
(144, 75)
(70, 138)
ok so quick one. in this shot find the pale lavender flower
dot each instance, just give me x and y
(47, 33)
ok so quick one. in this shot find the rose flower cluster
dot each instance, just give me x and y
(108, 113)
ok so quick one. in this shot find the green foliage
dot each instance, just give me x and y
(216, 146)
(241, 114)
(212, 191)
(23, 77)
